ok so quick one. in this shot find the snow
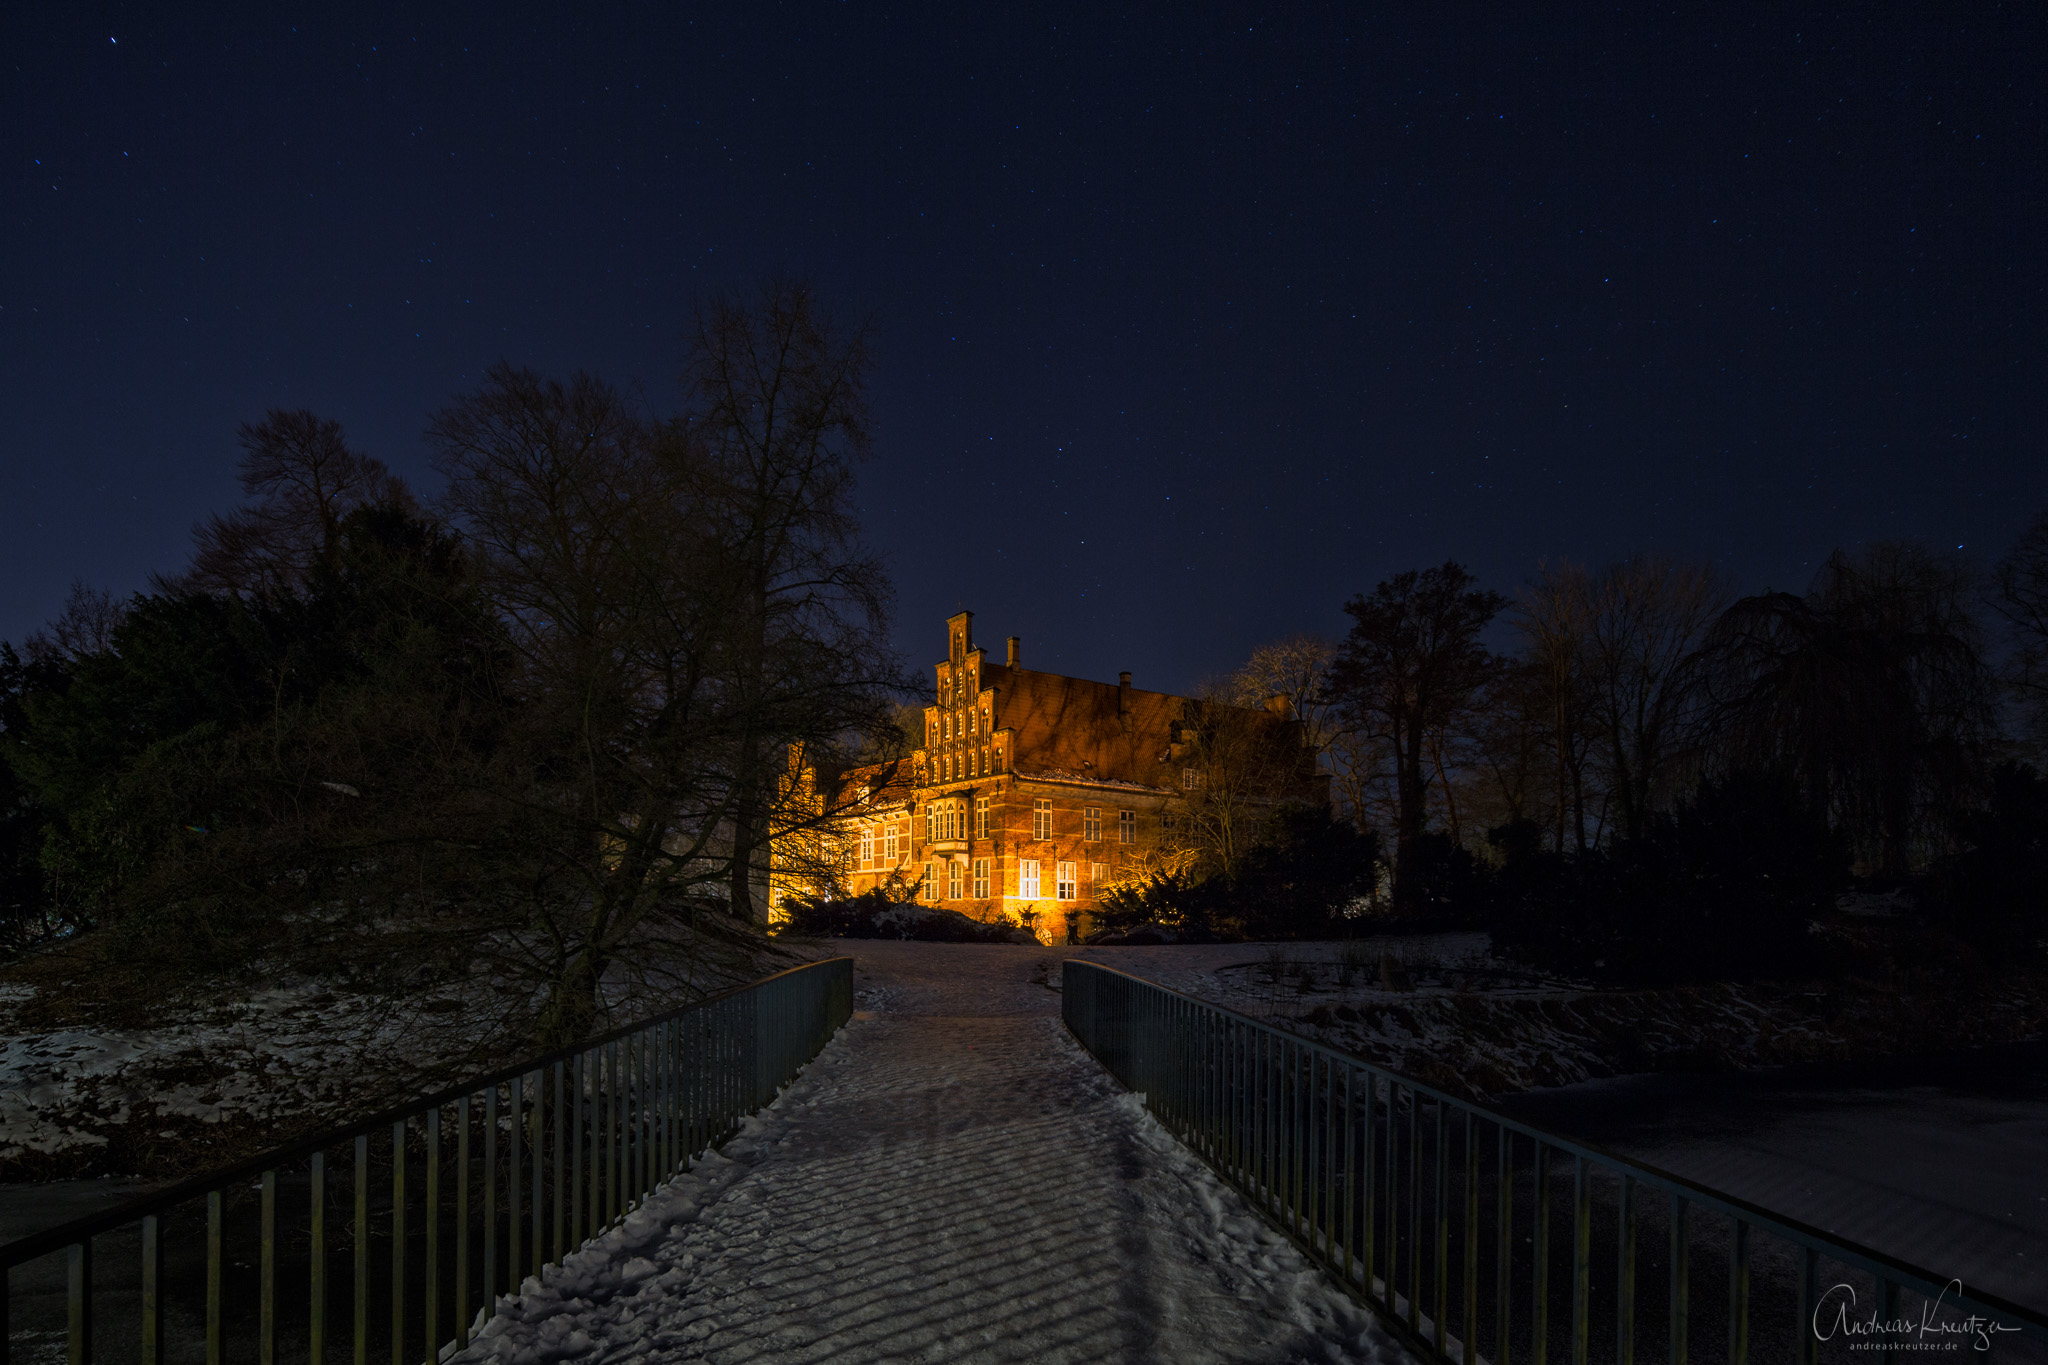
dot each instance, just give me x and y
(952, 1179)
(264, 1057)
(268, 1061)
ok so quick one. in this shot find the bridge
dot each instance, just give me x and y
(967, 1162)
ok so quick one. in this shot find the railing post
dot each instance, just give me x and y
(1504, 1247)
(78, 1302)
(1539, 1311)
(1582, 1259)
(213, 1274)
(266, 1291)
(152, 1290)
(1681, 1281)
(1738, 1292)
(430, 1310)
(316, 1288)
(398, 1243)
(1625, 1276)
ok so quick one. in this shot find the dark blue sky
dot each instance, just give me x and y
(1192, 322)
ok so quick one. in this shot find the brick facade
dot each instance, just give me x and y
(1029, 793)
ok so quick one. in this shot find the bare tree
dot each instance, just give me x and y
(1555, 618)
(1870, 693)
(1410, 665)
(305, 480)
(85, 626)
(1239, 765)
(1646, 616)
(2020, 597)
(779, 408)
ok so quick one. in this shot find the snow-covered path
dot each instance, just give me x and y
(952, 1180)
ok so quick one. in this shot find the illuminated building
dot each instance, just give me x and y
(1030, 792)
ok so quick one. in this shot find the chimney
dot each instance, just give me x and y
(1123, 700)
(1016, 651)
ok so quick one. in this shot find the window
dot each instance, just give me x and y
(1189, 779)
(1041, 819)
(981, 879)
(1126, 826)
(947, 732)
(931, 881)
(1027, 878)
(953, 871)
(1063, 889)
(889, 845)
(1091, 824)
(981, 817)
(999, 758)
(867, 845)
(1098, 873)
(930, 816)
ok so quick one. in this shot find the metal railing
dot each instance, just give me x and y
(1473, 1235)
(393, 1238)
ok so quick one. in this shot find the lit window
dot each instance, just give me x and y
(1041, 819)
(889, 845)
(1027, 879)
(981, 817)
(984, 762)
(953, 871)
(981, 879)
(947, 732)
(1126, 826)
(1091, 824)
(1063, 889)
(1189, 779)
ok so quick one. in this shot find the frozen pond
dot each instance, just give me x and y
(1941, 1161)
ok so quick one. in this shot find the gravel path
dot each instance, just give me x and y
(952, 1180)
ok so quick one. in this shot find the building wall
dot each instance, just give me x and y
(1012, 737)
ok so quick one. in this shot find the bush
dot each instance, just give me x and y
(872, 914)
(1993, 892)
(1294, 885)
(1723, 888)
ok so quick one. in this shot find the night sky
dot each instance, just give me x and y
(1191, 322)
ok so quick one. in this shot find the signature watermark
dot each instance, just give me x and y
(1832, 1318)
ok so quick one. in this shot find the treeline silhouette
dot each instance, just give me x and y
(531, 737)
(1656, 779)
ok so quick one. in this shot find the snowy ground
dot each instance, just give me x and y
(1942, 1161)
(205, 1077)
(952, 1180)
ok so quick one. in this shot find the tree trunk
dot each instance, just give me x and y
(572, 1004)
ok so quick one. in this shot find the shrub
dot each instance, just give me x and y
(1723, 888)
(1993, 892)
(872, 914)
